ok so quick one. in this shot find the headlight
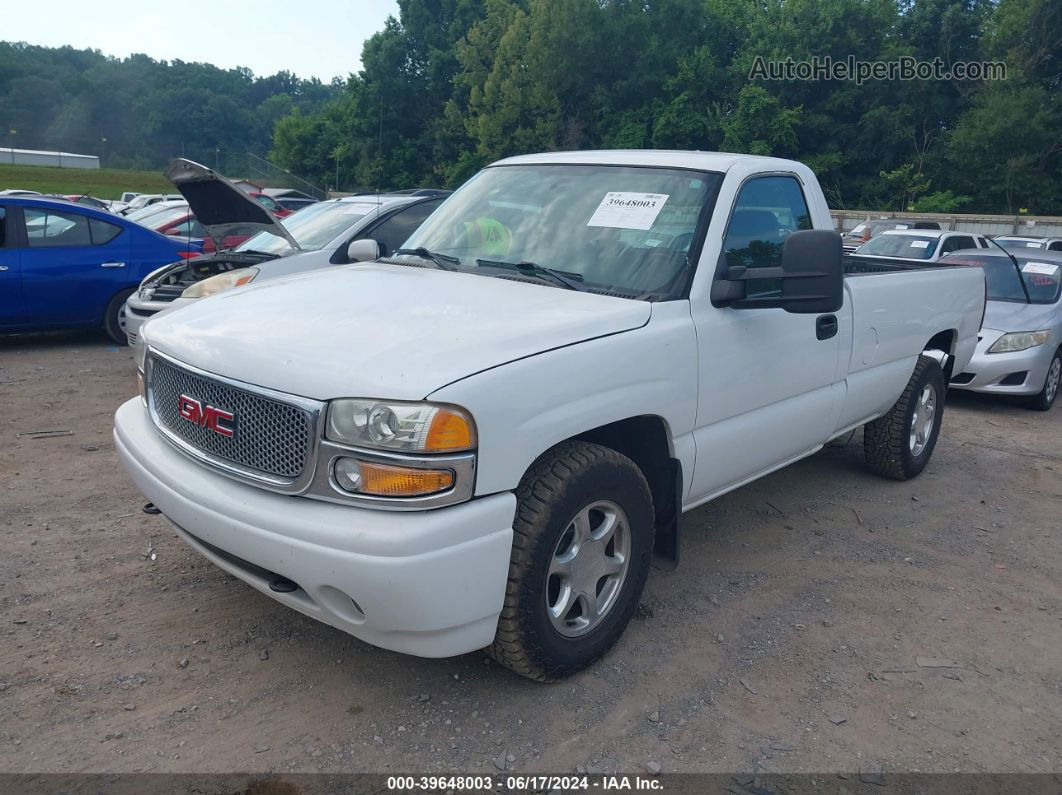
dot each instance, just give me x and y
(1019, 341)
(140, 352)
(220, 283)
(405, 427)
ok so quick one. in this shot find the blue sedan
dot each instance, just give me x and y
(65, 265)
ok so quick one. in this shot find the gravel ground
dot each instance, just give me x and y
(822, 620)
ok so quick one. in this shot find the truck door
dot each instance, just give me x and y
(767, 376)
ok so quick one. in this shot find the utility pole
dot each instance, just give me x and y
(103, 155)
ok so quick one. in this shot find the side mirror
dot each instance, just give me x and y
(811, 275)
(363, 250)
(812, 272)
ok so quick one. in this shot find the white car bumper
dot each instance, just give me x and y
(427, 583)
(1018, 373)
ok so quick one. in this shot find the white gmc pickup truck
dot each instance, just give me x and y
(481, 440)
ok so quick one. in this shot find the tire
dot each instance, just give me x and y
(1052, 383)
(892, 446)
(574, 485)
(114, 318)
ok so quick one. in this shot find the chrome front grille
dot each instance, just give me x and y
(272, 439)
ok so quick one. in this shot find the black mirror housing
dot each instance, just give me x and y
(812, 276)
(812, 272)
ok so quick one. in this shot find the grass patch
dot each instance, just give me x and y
(106, 183)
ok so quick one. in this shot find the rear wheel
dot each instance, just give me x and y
(114, 318)
(582, 544)
(898, 444)
(1046, 398)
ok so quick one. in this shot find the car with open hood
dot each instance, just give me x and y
(315, 237)
(1019, 349)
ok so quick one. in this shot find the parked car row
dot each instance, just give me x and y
(1019, 350)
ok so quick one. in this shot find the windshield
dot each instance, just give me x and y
(604, 227)
(313, 228)
(1018, 244)
(1042, 278)
(909, 246)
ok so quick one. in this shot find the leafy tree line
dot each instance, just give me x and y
(453, 84)
(138, 112)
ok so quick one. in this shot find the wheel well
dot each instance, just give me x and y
(646, 440)
(944, 342)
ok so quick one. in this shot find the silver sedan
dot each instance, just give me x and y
(1019, 350)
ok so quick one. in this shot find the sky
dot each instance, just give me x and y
(320, 38)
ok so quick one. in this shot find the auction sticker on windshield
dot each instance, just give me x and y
(1043, 268)
(623, 210)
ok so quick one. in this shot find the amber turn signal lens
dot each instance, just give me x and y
(449, 431)
(383, 480)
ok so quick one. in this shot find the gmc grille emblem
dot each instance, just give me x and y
(209, 417)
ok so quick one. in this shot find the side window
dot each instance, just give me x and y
(54, 228)
(393, 232)
(3, 226)
(982, 242)
(767, 211)
(103, 231)
(1056, 246)
(956, 243)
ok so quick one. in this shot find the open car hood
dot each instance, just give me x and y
(220, 206)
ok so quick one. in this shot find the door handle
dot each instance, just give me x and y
(112, 264)
(3, 268)
(825, 326)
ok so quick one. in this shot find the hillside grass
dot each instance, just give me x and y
(108, 183)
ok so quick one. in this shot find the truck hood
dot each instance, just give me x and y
(219, 205)
(379, 330)
(1012, 316)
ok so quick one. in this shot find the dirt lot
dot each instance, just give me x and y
(803, 632)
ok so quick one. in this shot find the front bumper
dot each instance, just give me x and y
(138, 312)
(427, 583)
(986, 371)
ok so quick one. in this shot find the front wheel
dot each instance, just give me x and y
(1046, 398)
(114, 318)
(582, 545)
(899, 443)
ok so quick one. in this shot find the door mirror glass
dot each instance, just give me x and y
(363, 251)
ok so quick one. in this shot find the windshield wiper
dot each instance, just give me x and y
(1017, 267)
(533, 269)
(444, 261)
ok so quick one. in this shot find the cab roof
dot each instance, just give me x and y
(662, 158)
